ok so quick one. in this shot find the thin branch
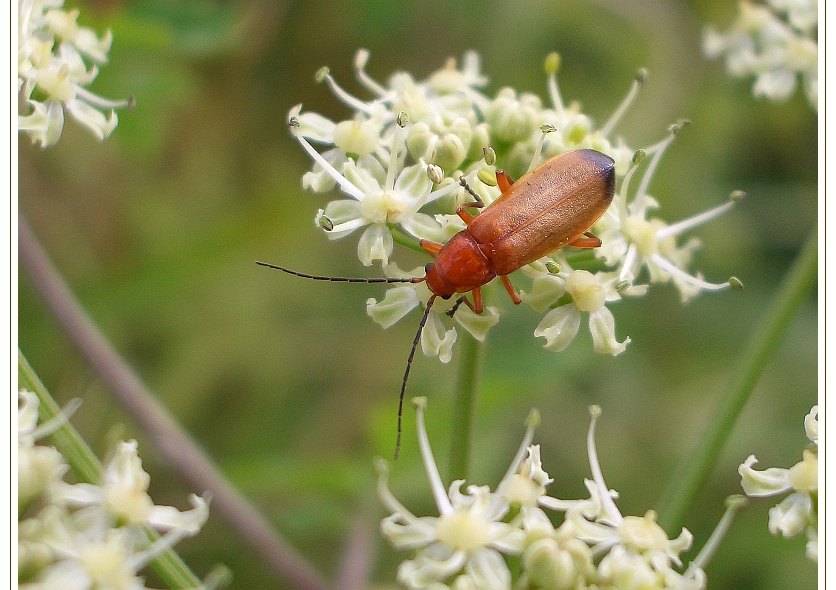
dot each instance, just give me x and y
(358, 554)
(178, 448)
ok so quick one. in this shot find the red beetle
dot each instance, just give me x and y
(552, 206)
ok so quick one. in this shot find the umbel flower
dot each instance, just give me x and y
(57, 60)
(776, 43)
(407, 156)
(84, 535)
(480, 531)
(798, 511)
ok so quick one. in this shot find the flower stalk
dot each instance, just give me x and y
(464, 407)
(793, 290)
(83, 462)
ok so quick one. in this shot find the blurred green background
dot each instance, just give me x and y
(288, 384)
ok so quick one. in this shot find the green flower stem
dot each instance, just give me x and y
(405, 240)
(84, 463)
(793, 290)
(87, 468)
(178, 448)
(464, 407)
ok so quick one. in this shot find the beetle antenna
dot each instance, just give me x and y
(415, 340)
(342, 279)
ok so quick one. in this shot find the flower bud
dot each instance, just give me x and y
(513, 118)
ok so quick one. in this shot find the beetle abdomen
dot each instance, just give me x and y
(545, 210)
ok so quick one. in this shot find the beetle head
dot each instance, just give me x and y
(437, 282)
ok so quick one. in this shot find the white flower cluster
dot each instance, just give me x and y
(776, 43)
(400, 160)
(480, 531)
(53, 51)
(84, 535)
(799, 510)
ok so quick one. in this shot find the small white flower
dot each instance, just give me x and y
(52, 73)
(633, 240)
(776, 43)
(637, 551)
(589, 294)
(122, 498)
(798, 511)
(381, 195)
(469, 535)
(84, 536)
(107, 562)
(526, 487)
(87, 555)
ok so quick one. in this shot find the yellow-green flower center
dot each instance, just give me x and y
(585, 291)
(383, 206)
(463, 531)
(643, 234)
(642, 533)
(804, 475)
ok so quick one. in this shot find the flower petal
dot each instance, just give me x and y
(489, 571)
(545, 290)
(559, 327)
(791, 515)
(477, 324)
(413, 180)
(319, 179)
(408, 535)
(602, 326)
(424, 227)
(312, 125)
(376, 243)
(361, 177)
(425, 570)
(768, 482)
(396, 303)
(436, 340)
(811, 425)
(189, 521)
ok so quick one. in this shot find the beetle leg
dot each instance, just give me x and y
(466, 217)
(503, 181)
(477, 300)
(512, 293)
(429, 246)
(452, 311)
(587, 240)
(477, 202)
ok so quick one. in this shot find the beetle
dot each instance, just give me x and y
(552, 206)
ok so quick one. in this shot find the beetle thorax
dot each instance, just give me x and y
(460, 266)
